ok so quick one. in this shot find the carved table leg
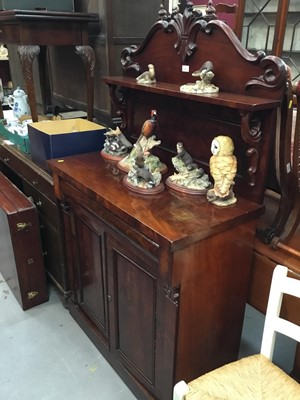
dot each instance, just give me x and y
(45, 81)
(27, 55)
(88, 56)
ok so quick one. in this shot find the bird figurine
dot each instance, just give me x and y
(147, 76)
(185, 157)
(149, 126)
(208, 66)
(141, 170)
(204, 83)
(223, 168)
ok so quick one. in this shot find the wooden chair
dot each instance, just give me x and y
(223, 9)
(220, 10)
(254, 377)
(287, 155)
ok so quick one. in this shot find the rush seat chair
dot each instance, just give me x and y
(254, 377)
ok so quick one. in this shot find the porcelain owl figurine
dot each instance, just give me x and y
(223, 167)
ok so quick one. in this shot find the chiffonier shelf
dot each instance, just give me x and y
(159, 283)
(225, 99)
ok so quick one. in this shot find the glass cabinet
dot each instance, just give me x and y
(274, 27)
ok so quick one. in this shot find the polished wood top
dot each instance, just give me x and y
(167, 216)
(45, 28)
(37, 15)
(227, 99)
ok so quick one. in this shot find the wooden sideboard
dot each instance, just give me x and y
(37, 184)
(157, 281)
(160, 282)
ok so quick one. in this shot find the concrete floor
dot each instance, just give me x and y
(46, 356)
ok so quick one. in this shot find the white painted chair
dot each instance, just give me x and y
(254, 377)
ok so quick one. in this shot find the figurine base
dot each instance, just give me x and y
(224, 203)
(211, 198)
(193, 88)
(136, 189)
(182, 189)
(125, 168)
(110, 157)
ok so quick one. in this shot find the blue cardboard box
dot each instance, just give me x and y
(62, 138)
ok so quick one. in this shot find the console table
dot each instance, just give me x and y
(34, 30)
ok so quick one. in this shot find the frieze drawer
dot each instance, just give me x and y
(40, 180)
(44, 205)
(11, 161)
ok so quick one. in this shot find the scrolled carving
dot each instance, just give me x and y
(250, 128)
(87, 54)
(126, 59)
(27, 55)
(252, 134)
(275, 74)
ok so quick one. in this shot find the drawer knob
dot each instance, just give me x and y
(35, 182)
(6, 159)
(39, 203)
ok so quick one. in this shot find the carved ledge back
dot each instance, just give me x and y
(179, 44)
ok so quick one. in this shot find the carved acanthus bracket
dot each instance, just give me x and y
(173, 294)
(251, 133)
(275, 74)
(27, 55)
(118, 97)
(87, 55)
